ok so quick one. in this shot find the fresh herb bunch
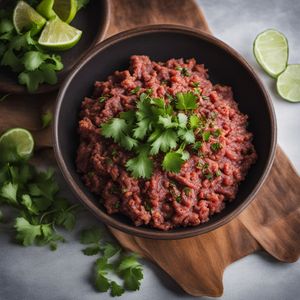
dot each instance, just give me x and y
(34, 197)
(158, 127)
(22, 54)
(112, 261)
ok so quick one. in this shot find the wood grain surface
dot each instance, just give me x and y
(271, 222)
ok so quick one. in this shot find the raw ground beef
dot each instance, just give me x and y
(207, 179)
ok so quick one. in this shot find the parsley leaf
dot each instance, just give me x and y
(186, 101)
(172, 162)
(91, 250)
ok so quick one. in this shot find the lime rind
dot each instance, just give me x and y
(271, 56)
(288, 83)
(45, 8)
(65, 9)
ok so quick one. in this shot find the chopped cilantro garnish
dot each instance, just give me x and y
(187, 190)
(205, 97)
(217, 133)
(135, 90)
(215, 147)
(206, 136)
(218, 173)
(209, 176)
(149, 92)
(194, 121)
(102, 99)
(196, 146)
(197, 91)
(195, 84)
(178, 199)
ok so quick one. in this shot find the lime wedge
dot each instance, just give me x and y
(58, 35)
(45, 8)
(271, 51)
(288, 83)
(16, 144)
(25, 17)
(65, 9)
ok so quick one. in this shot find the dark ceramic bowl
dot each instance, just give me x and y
(96, 16)
(162, 42)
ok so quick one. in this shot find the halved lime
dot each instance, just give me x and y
(59, 35)
(65, 9)
(271, 51)
(288, 83)
(16, 144)
(45, 8)
(25, 17)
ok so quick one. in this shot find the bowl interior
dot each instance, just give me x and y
(224, 67)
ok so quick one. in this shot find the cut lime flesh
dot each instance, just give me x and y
(15, 144)
(59, 35)
(65, 9)
(25, 17)
(271, 51)
(288, 83)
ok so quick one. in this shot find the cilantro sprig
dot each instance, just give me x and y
(156, 127)
(112, 261)
(34, 196)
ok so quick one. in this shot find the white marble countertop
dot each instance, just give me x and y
(39, 274)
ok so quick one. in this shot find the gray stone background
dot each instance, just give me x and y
(39, 274)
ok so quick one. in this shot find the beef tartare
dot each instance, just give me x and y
(162, 145)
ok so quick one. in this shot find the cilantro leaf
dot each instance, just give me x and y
(33, 59)
(9, 192)
(194, 121)
(66, 219)
(141, 165)
(6, 25)
(186, 135)
(206, 136)
(182, 119)
(26, 232)
(90, 236)
(131, 271)
(48, 72)
(27, 202)
(116, 290)
(117, 129)
(102, 283)
(32, 79)
(11, 60)
(46, 118)
(172, 162)
(186, 101)
(91, 250)
(110, 250)
(165, 141)
(167, 122)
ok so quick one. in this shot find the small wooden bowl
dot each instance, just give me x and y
(162, 42)
(93, 20)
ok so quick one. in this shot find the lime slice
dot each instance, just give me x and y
(16, 144)
(288, 83)
(65, 9)
(45, 8)
(59, 35)
(271, 51)
(25, 17)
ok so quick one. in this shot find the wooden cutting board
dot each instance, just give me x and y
(271, 223)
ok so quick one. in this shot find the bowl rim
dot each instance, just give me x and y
(150, 232)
